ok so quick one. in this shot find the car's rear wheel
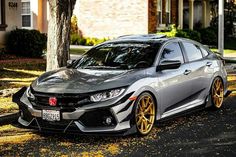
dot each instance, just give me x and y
(145, 113)
(217, 93)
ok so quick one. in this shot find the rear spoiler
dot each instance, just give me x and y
(220, 57)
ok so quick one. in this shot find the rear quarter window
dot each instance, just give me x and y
(193, 52)
(204, 52)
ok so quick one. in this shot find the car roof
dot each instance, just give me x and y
(146, 38)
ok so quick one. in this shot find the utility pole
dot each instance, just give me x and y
(221, 28)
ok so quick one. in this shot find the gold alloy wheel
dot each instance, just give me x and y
(217, 93)
(145, 114)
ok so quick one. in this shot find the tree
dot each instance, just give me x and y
(74, 25)
(59, 32)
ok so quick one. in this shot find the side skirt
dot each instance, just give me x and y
(183, 109)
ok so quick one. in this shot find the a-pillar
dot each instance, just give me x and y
(191, 14)
(180, 21)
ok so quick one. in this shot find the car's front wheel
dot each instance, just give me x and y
(145, 113)
(217, 93)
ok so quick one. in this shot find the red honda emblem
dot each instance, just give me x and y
(52, 101)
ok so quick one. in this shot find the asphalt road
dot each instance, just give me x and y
(202, 133)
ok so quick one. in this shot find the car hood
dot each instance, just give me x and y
(66, 80)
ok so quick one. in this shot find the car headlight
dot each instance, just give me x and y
(103, 96)
(29, 94)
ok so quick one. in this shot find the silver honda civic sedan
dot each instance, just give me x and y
(123, 86)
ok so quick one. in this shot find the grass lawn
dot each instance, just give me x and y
(7, 106)
(17, 73)
(79, 50)
(226, 51)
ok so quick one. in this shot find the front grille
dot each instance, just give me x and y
(64, 101)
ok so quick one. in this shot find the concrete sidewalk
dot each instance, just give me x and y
(230, 55)
(80, 47)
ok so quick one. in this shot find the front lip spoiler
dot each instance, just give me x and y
(25, 124)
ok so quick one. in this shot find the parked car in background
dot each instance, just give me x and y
(123, 86)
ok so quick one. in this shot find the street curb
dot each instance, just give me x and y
(8, 118)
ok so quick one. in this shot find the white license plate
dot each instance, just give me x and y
(51, 115)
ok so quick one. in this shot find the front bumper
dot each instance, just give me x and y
(86, 119)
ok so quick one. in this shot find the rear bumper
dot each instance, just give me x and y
(88, 120)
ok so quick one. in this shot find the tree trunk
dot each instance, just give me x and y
(59, 32)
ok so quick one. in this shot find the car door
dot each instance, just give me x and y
(174, 84)
(199, 70)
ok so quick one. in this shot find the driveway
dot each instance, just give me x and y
(203, 133)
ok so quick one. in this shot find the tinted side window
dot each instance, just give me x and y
(204, 52)
(172, 52)
(193, 52)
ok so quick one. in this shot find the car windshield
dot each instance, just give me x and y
(119, 56)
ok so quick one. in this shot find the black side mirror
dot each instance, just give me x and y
(168, 64)
(70, 62)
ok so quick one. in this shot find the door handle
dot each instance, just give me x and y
(209, 64)
(186, 72)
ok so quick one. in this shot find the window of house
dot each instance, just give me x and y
(168, 9)
(172, 52)
(159, 11)
(26, 14)
(193, 52)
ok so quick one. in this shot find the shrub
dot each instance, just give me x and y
(78, 40)
(187, 33)
(209, 36)
(82, 41)
(23, 42)
(171, 33)
(75, 39)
